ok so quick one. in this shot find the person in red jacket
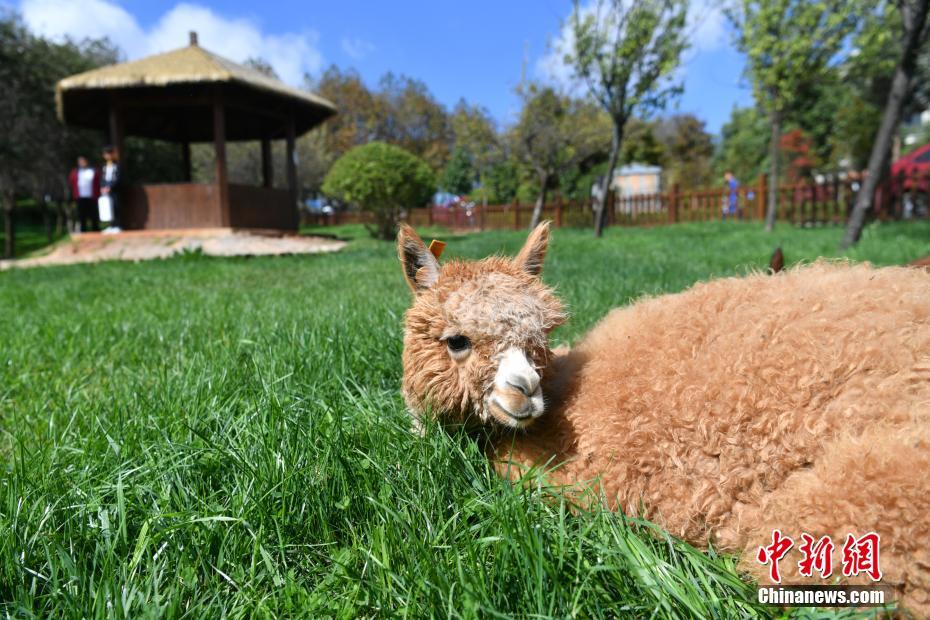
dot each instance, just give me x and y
(84, 182)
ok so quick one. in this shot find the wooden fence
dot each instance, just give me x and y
(802, 204)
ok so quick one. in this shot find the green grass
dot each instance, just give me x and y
(225, 438)
(30, 238)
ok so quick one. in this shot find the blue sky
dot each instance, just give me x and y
(476, 50)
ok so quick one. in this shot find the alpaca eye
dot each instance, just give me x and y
(457, 344)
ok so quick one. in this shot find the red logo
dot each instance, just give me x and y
(773, 553)
(817, 556)
(860, 555)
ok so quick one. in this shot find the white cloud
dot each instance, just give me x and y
(551, 67)
(89, 19)
(706, 31)
(356, 48)
(707, 24)
(291, 54)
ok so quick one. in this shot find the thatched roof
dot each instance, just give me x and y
(173, 83)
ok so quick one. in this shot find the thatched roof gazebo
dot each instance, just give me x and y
(191, 95)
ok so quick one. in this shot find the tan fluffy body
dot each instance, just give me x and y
(799, 401)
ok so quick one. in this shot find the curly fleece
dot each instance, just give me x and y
(799, 401)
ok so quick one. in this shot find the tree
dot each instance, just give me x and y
(402, 111)
(640, 144)
(817, 108)
(313, 161)
(798, 149)
(854, 128)
(501, 182)
(411, 118)
(458, 177)
(852, 102)
(475, 132)
(916, 29)
(687, 151)
(16, 120)
(576, 182)
(788, 43)
(539, 141)
(744, 142)
(382, 179)
(35, 149)
(879, 46)
(555, 133)
(360, 110)
(626, 51)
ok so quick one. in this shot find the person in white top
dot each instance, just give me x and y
(109, 186)
(84, 182)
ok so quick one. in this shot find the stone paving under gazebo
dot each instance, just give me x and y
(140, 245)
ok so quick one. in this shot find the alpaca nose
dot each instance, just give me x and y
(516, 372)
(516, 398)
(524, 383)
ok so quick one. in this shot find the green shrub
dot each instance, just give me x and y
(382, 179)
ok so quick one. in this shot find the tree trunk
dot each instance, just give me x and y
(9, 229)
(540, 201)
(62, 221)
(881, 148)
(600, 212)
(46, 217)
(59, 218)
(774, 154)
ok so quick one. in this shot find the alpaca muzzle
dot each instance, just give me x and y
(516, 398)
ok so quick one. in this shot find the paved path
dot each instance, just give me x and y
(145, 245)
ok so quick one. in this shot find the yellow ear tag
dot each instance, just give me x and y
(436, 247)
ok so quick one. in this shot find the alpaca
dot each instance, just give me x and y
(798, 401)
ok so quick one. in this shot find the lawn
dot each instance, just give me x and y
(225, 438)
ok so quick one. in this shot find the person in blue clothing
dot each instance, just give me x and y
(731, 206)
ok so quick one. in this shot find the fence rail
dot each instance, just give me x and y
(801, 204)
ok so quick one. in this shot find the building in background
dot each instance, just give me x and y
(634, 179)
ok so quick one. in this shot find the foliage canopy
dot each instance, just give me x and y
(626, 53)
(554, 134)
(789, 45)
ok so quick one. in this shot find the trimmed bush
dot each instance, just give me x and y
(382, 179)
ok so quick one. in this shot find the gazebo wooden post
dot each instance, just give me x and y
(267, 164)
(186, 175)
(219, 145)
(292, 164)
(117, 131)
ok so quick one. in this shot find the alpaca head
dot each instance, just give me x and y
(476, 340)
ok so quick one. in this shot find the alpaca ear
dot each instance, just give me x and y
(533, 253)
(421, 269)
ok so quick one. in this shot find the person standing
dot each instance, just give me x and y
(731, 207)
(84, 182)
(109, 186)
